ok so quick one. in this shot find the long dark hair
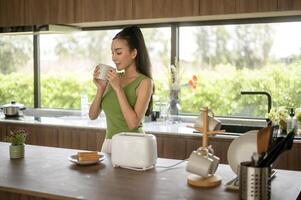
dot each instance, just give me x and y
(135, 40)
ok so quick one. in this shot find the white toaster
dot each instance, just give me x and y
(135, 151)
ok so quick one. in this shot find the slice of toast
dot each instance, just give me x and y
(87, 156)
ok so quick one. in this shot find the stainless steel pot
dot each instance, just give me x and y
(12, 109)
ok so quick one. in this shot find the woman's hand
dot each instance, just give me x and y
(100, 84)
(114, 80)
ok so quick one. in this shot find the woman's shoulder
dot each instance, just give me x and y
(145, 79)
(142, 77)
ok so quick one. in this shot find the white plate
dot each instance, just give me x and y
(241, 149)
(73, 158)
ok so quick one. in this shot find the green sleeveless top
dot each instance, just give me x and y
(110, 105)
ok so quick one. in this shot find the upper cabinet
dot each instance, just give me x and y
(175, 8)
(289, 4)
(34, 12)
(216, 7)
(12, 12)
(142, 9)
(103, 10)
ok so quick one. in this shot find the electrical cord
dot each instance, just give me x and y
(171, 166)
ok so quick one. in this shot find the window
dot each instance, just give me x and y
(158, 43)
(228, 59)
(216, 63)
(16, 69)
(68, 61)
(67, 64)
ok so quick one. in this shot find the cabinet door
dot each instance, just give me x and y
(142, 9)
(246, 6)
(289, 5)
(175, 8)
(2, 132)
(171, 147)
(105, 10)
(215, 7)
(81, 138)
(294, 156)
(62, 11)
(93, 10)
(37, 12)
(267, 5)
(12, 12)
(46, 136)
(118, 10)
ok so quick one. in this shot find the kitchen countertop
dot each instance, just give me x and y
(156, 127)
(45, 172)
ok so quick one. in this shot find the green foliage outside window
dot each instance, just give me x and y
(220, 93)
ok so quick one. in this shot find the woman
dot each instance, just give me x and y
(125, 99)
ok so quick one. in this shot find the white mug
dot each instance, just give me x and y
(215, 163)
(202, 165)
(104, 69)
(213, 123)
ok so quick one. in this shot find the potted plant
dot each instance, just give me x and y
(17, 139)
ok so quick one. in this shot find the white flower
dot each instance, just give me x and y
(277, 114)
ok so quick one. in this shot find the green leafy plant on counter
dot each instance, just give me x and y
(17, 137)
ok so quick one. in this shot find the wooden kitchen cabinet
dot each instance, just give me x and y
(58, 136)
(12, 12)
(173, 146)
(62, 11)
(2, 131)
(216, 7)
(174, 8)
(37, 12)
(267, 5)
(289, 5)
(80, 138)
(246, 6)
(180, 147)
(142, 9)
(103, 10)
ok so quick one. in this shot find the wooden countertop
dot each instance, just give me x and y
(46, 172)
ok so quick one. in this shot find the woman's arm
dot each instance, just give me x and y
(101, 85)
(95, 107)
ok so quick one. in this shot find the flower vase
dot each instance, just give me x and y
(16, 151)
(174, 101)
(174, 105)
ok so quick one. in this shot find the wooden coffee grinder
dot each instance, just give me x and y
(212, 180)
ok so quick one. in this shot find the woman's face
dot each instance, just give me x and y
(121, 54)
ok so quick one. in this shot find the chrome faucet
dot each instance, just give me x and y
(260, 93)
